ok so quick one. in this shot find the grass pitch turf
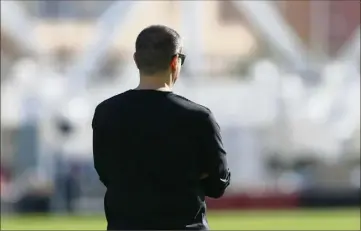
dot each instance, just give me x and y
(240, 220)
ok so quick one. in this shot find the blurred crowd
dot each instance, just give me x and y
(283, 83)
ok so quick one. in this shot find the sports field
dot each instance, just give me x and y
(246, 220)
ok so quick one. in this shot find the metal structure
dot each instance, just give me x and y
(263, 15)
(192, 31)
(108, 24)
(17, 23)
(320, 26)
(19, 26)
(350, 51)
(111, 22)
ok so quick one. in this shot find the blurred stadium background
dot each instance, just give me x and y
(282, 77)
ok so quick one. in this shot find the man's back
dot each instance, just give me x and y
(149, 150)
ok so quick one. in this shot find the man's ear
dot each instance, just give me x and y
(173, 63)
(134, 58)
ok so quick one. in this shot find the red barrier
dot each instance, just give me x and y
(248, 201)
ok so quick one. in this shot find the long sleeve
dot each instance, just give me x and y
(213, 158)
(99, 148)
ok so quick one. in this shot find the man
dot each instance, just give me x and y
(157, 153)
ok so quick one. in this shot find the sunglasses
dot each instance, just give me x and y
(181, 56)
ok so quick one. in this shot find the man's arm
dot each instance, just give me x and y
(99, 148)
(216, 175)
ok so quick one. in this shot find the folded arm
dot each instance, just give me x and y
(216, 175)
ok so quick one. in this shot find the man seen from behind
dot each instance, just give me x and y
(157, 153)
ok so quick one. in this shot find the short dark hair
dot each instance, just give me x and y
(154, 48)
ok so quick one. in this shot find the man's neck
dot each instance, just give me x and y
(154, 83)
(145, 87)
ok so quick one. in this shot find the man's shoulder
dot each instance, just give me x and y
(103, 108)
(111, 100)
(191, 105)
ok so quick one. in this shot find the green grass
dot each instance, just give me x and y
(242, 220)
